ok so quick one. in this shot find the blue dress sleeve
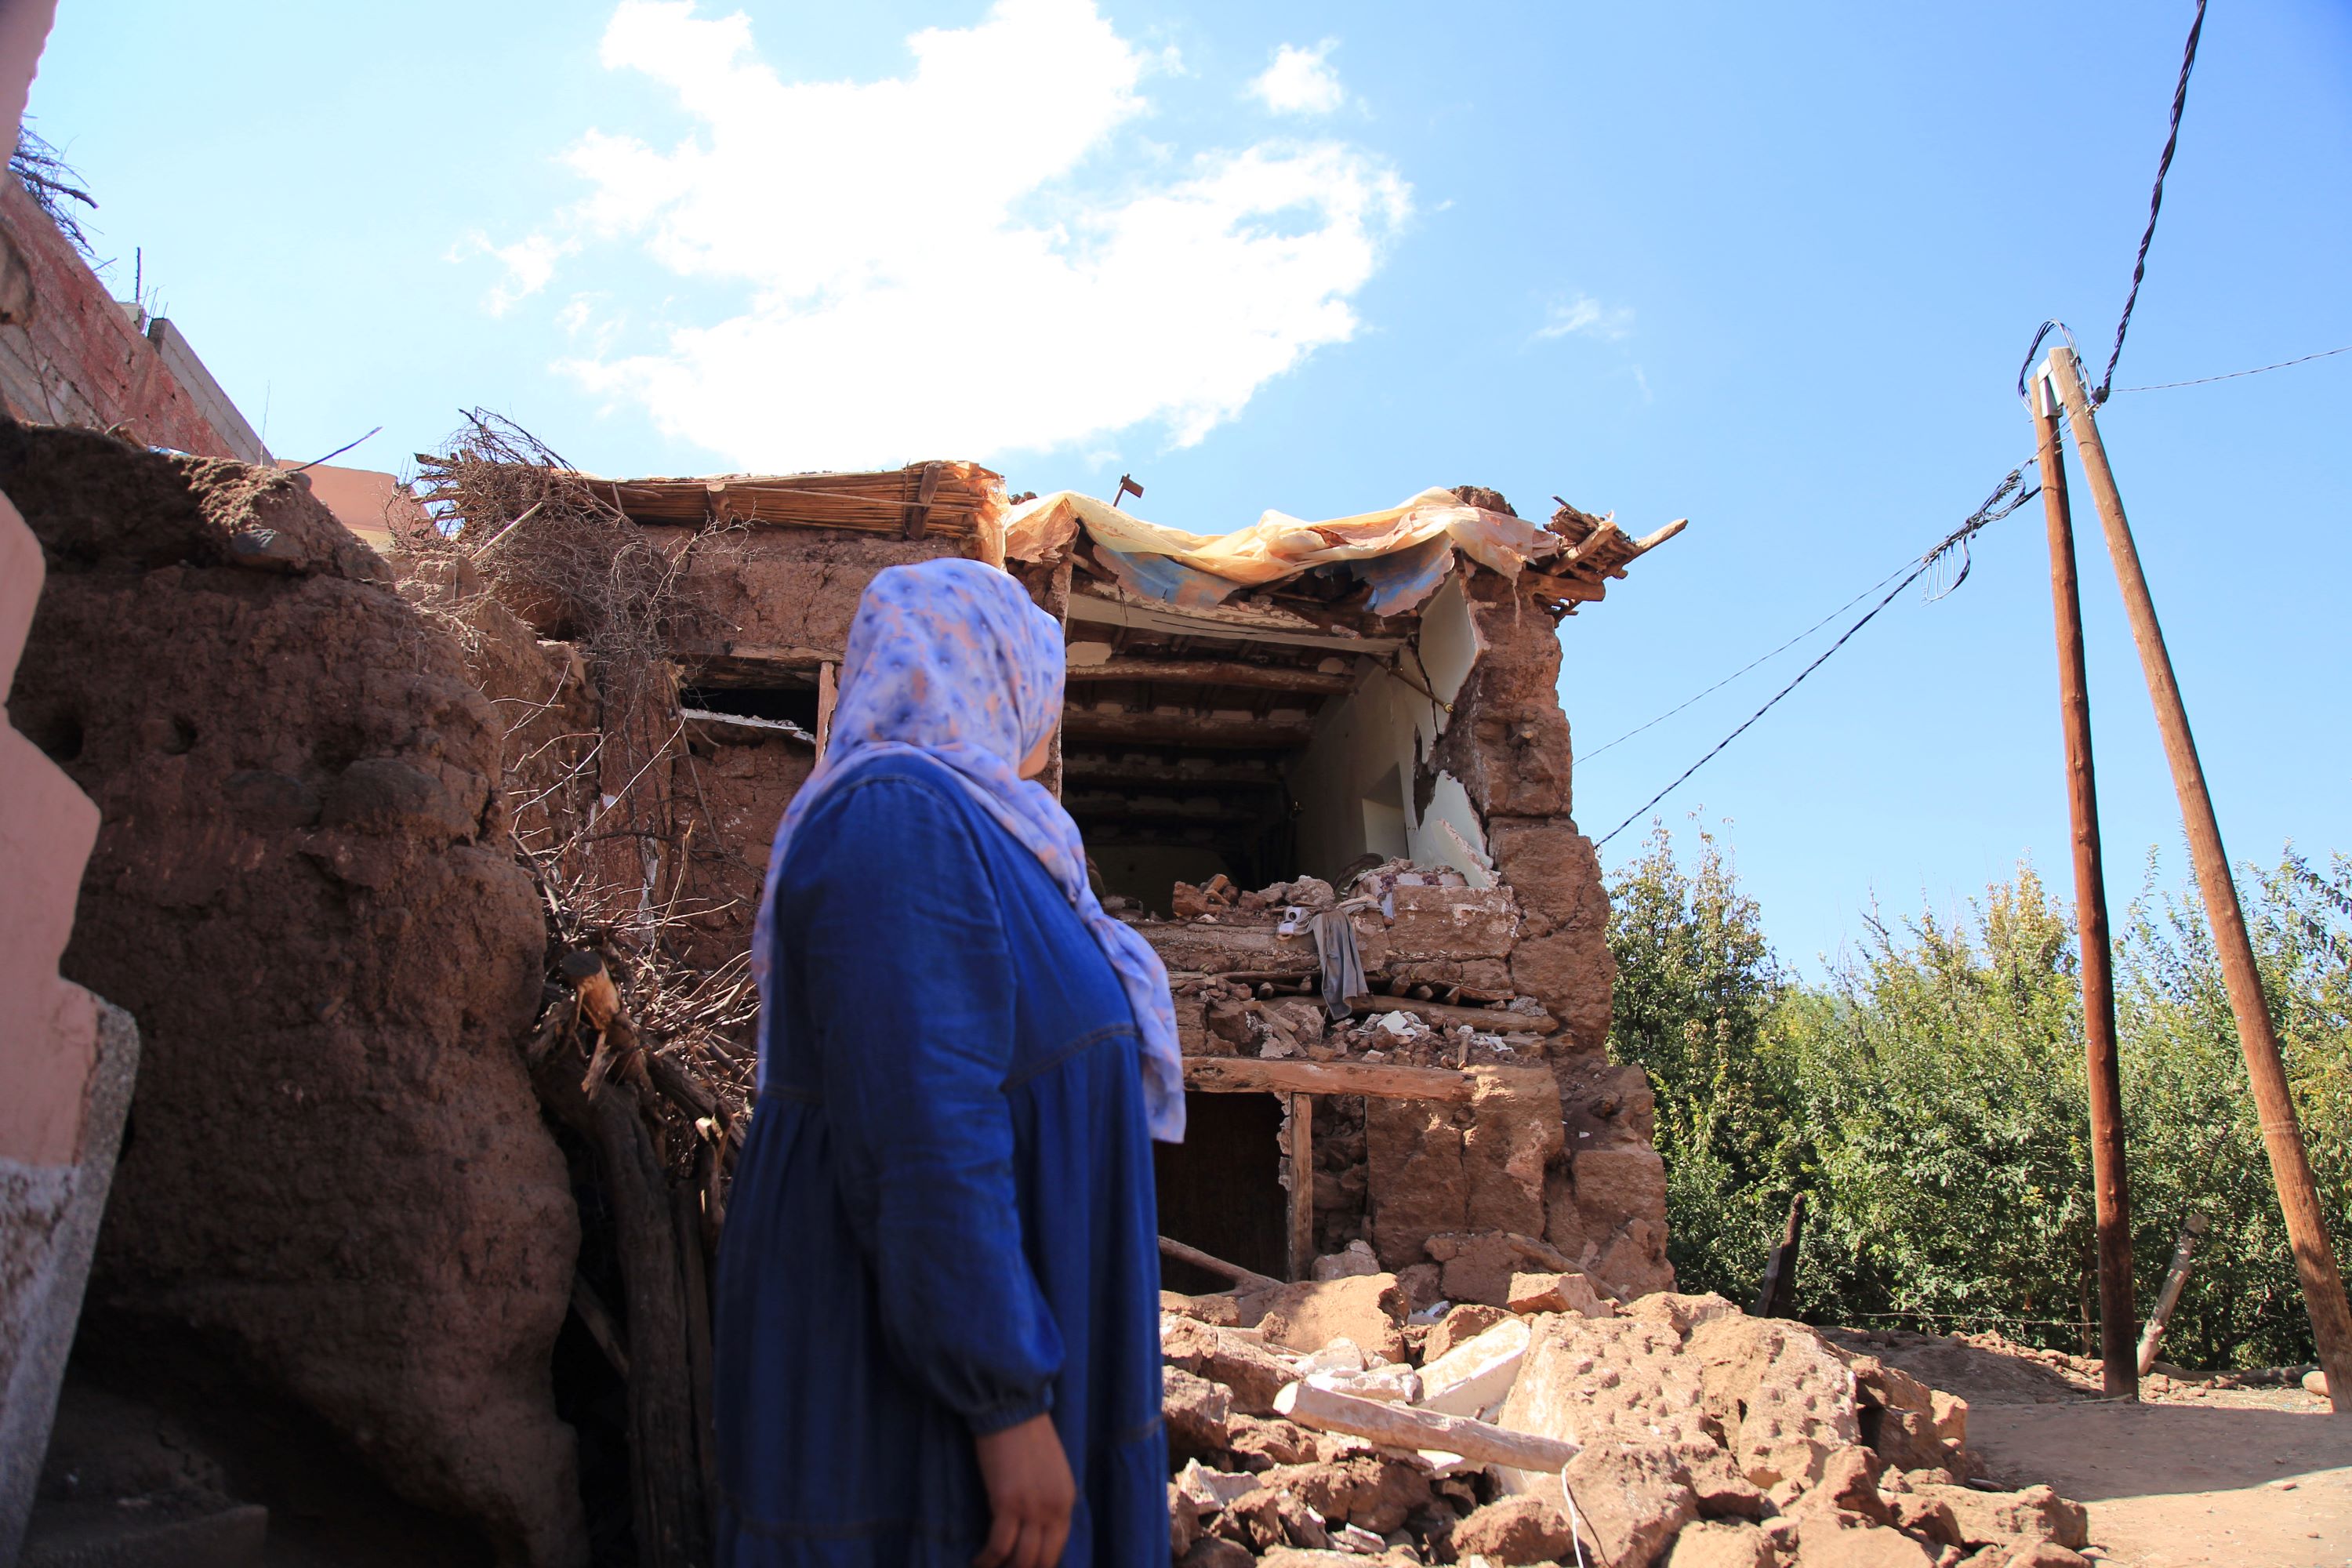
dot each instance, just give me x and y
(910, 989)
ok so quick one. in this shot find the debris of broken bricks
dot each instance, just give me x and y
(1309, 1420)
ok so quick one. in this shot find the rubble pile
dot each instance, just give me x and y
(1434, 955)
(1708, 1438)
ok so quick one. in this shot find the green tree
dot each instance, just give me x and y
(1929, 1099)
(1695, 987)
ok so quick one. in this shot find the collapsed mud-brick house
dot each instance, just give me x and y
(1321, 767)
(431, 828)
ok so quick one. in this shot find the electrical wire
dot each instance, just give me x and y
(2235, 374)
(2007, 497)
(1752, 664)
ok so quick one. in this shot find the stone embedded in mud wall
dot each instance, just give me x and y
(338, 1177)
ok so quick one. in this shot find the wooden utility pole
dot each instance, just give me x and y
(2109, 1185)
(2298, 1195)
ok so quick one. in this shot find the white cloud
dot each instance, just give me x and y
(1301, 81)
(964, 260)
(530, 263)
(1585, 314)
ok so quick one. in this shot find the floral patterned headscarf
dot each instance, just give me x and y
(950, 660)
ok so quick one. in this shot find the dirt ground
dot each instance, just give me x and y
(2199, 1472)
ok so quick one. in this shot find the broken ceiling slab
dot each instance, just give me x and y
(1391, 561)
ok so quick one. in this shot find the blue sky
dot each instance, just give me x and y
(1768, 269)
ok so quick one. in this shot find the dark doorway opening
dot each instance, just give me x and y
(1221, 1189)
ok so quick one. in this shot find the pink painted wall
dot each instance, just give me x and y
(48, 1027)
(365, 501)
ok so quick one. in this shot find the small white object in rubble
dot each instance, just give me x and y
(1428, 1314)
(1213, 1490)
(1340, 1356)
(1398, 1023)
(1356, 1539)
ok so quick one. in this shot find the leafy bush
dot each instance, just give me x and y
(1930, 1100)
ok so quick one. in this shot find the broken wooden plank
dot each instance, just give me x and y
(597, 1319)
(1574, 590)
(1195, 729)
(827, 693)
(1248, 1279)
(1404, 1427)
(1254, 625)
(1382, 1081)
(1214, 672)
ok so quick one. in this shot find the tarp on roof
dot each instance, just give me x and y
(1405, 552)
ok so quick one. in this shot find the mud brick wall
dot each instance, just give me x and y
(338, 1182)
(740, 793)
(1509, 743)
(767, 592)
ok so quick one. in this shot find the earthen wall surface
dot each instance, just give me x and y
(303, 891)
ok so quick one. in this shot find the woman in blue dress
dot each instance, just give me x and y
(939, 1290)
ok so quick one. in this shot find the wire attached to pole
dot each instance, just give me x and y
(2155, 203)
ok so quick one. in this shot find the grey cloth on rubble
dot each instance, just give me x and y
(1343, 967)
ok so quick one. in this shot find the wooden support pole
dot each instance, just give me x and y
(1302, 1185)
(1777, 1297)
(694, 1274)
(2110, 1185)
(2298, 1193)
(668, 1502)
(1406, 1427)
(2192, 1231)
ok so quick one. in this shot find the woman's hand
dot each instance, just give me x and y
(1030, 1494)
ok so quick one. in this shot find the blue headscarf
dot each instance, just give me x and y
(950, 660)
